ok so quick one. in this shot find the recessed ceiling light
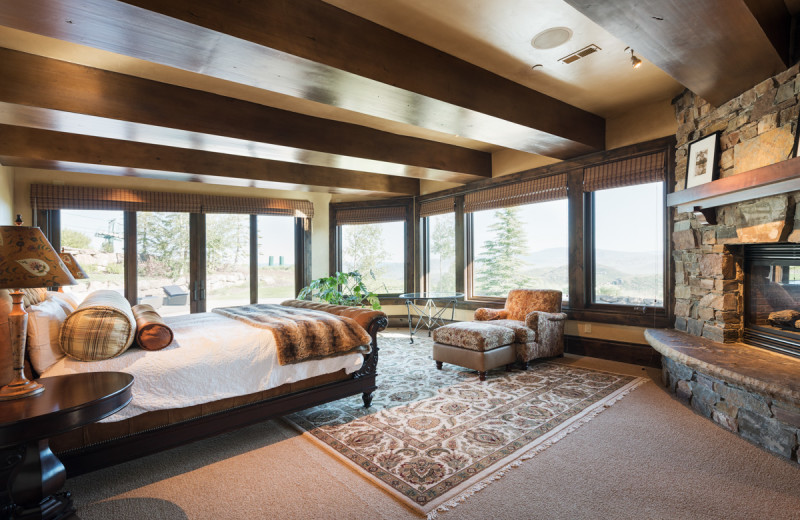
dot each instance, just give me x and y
(551, 38)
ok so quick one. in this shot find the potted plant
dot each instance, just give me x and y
(341, 289)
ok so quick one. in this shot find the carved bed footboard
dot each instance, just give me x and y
(372, 321)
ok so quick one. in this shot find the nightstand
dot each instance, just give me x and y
(30, 474)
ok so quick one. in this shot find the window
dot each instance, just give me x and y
(628, 245)
(377, 251)
(162, 243)
(520, 247)
(169, 234)
(95, 239)
(227, 260)
(276, 262)
(441, 253)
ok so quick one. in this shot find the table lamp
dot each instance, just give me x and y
(73, 266)
(27, 261)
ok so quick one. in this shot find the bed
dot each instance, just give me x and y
(218, 374)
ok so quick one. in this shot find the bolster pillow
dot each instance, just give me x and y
(102, 327)
(151, 331)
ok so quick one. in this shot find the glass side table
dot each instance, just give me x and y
(431, 314)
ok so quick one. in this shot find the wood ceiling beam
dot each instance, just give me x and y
(212, 122)
(119, 171)
(46, 146)
(716, 48)
(312, 50)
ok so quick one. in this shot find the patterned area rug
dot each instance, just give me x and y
(434, 437)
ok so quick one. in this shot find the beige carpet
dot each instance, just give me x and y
(648, 456)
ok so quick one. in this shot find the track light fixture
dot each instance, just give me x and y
(635, 62)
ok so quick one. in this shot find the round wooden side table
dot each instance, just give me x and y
(30, 474)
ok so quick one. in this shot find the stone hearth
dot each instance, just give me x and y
(749, 391)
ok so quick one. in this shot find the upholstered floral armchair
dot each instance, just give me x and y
(537, 321)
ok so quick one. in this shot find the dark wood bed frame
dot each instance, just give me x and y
(115, 451)
(128, 447)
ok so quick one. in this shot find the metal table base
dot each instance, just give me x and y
(430, 315)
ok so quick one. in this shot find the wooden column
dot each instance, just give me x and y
(253, 258)
(461, 246)
(197, 262)
(576, 222)
(130, 255)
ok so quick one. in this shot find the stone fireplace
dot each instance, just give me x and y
(756, 129)
(737, 268)
(720, 271)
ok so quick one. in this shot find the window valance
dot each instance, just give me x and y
(626, 172)
(370, 215)
(542, 189)
(437, 207)
(52, 197)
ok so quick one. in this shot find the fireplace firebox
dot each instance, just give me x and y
(772, 297)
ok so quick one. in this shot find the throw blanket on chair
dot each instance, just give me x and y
(303, 334)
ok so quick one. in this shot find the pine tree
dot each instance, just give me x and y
(501, 262)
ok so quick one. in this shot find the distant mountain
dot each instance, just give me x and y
(629, 262)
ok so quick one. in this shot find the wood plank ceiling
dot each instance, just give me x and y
(419, 113)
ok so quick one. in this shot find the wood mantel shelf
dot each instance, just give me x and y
(769, 180)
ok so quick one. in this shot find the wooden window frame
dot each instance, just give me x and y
(424, 262)
(411, 230)
(580, 251)
(638, 315)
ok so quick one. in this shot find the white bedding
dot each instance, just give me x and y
(211, 358)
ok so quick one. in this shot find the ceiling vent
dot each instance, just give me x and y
(575, 56)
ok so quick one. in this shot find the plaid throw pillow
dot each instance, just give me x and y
(102, 327)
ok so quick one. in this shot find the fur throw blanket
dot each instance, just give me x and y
(303, 334)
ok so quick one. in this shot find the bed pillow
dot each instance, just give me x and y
(151, 331)
(65, 300)
(102, 327)
(44, 323)
(32, 297)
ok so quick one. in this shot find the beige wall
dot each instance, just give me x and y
(24, 177)
(6, 195)
(645, 123)
(505, 162)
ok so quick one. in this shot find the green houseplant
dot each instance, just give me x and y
(341, 289)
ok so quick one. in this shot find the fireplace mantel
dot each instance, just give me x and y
(769, 180)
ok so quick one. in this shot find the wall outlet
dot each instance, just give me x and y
(587, 328)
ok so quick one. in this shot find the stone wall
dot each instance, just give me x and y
(756, 129)
(771, 424)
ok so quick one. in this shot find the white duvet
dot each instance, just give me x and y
(211, 358)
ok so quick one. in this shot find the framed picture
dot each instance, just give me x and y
(703, 160)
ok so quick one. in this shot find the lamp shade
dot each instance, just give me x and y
(27, 260)
(74, 267)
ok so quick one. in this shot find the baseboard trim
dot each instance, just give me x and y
(634, 353)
